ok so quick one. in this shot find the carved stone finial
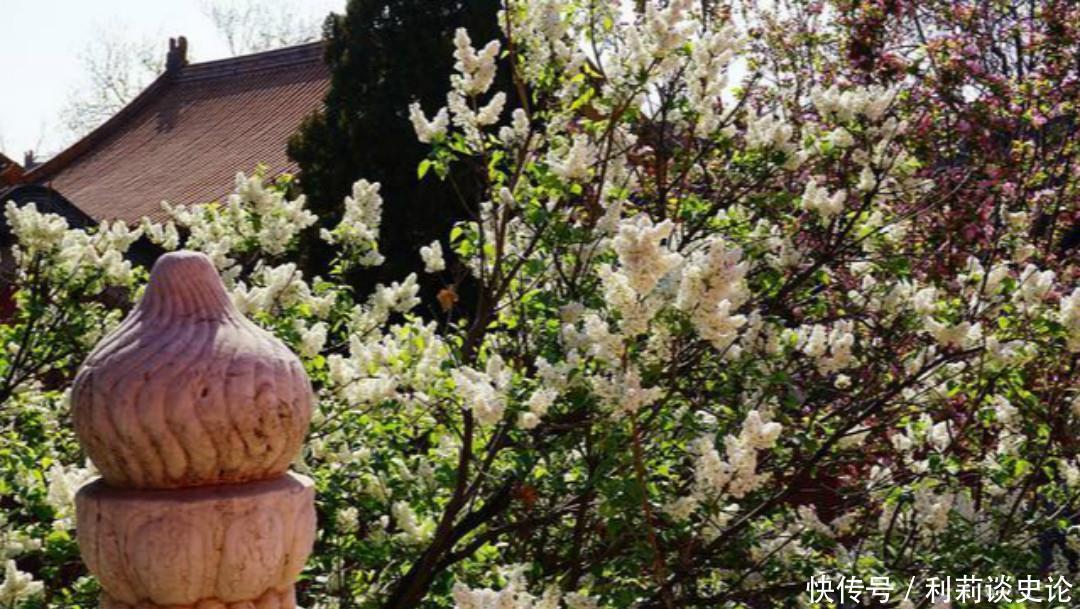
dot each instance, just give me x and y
(193, 414)
(187, 392)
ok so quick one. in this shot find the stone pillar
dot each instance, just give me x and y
(192, 414)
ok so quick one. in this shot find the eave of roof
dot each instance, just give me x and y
(10, 172)
(46, 200)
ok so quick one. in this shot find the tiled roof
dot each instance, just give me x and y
(10, 172)
(184, 138)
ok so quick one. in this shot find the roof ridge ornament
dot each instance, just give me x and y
(177, 57)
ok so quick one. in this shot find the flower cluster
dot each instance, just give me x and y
(358, 230)
(736, 475)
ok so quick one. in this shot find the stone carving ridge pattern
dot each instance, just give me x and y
(187, 391)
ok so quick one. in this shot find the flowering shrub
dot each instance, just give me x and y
(719, 344)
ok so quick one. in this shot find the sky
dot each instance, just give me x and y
(43, 39)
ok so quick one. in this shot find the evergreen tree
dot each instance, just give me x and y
(383, 55)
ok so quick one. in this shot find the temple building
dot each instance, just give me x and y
(181, 140)
(184, 137)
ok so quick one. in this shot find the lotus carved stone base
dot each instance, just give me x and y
(231, 546)
(274, 599)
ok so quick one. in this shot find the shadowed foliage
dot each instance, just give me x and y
(384, 55)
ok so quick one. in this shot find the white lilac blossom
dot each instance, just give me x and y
(413, 530)
(854, 439)
(712, 289)
(77, 250)
(867, 180)
(642, 254)
(939, 436)
(15, 542)
(1035, 284)
(595, 339)
(18, 586)
(254, 211)
(428, 131)
(682, 508)
(277, 230)
(369, 373)
(808, 519)
(574, 163)
(252, 190)
(480, 395)
(830, 348)
(489, 114)
(475, 72)
(542, 30)
(515, 133)
(538, 404)
(932, 509)
(961, 335)
(783, 254)
(1008, 353)
(624, 393)
(280, 286)
(815, 198)
(514, 596)
(475, 69)
(1069, 316)
(34, 230)
(432, 255)
(78, 253)
(359, 226)
(116, 236)
(552, 375)
(635, 310)
(1004, 411)
(845, 105)
(63, 482)
(840, 138)
(711, 56)
(164, 235)
(735, 474)
(398, 297)
(312, 339)
(348, 519)
(669, 27)
(925, 300)
(769, 130)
